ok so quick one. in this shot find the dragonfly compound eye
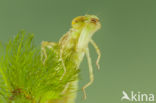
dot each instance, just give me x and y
(94, 20)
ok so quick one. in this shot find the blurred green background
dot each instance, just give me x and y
(127, 40)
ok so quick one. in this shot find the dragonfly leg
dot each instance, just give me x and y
(90, 73)
(98, 53)
(44, 45)
(63, 64)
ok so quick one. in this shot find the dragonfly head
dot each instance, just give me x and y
(91, 21)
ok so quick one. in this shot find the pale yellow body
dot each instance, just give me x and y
(77, 40)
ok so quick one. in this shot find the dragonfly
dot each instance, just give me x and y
(77, 40)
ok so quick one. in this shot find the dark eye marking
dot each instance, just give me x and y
(93, 20)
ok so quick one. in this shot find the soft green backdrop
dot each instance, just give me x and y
(127, 39)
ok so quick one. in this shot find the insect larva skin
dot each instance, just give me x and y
(74, 45)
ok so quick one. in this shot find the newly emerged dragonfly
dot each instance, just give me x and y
(77, 40)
